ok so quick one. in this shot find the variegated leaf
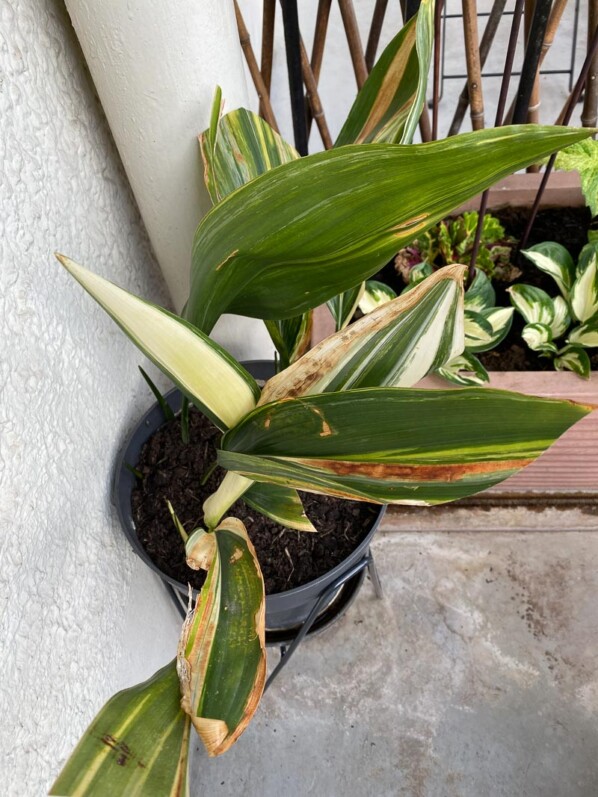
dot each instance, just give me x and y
(465, 370)
(480, 295)
(538, 337)
(137, 745)
(205, 372)
(404, 446)
(279, 503)
(478, 332)
(340, 215)
(500, 319)
(573, 358)
(534, 304)
(553, 259)
(390, 103)
(291, 337)
(397, 344)
(221, 659)
(584, 294)
(562, 319)
(344, 305)
(585, 335)
(237, 149)
(375, 294)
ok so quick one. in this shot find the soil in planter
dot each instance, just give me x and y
(567, 226)
(173, 470)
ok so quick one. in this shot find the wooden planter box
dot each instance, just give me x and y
(569, 469)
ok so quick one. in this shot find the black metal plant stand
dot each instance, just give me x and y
(330, 606)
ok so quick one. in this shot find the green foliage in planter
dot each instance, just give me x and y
(562, 327)
(583, 158)
(284, 235)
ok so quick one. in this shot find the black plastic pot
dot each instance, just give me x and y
(284, 610)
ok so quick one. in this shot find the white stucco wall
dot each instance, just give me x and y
(71, 592)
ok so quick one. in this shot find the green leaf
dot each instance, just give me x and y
(584, 293)
(397, 344)
(310, 229)
(553, 259)
(480, 295)
(465, 370)
(403, 446)
(163, 404)
(390, 102)
(279, 503)
(573, 358)
(534, 304)
(242, 147)
(137, 745)
(538, 337)
(291, 337)
(221, 657)
(583, 158)
(205, 372)
(417, 274)
(587, 334)
(375, 294)
(343, 305)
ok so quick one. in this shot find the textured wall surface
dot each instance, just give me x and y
(70, 590)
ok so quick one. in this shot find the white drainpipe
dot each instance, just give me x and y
(155, 65)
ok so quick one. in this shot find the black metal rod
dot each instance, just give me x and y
(567, 114)
(500, 111)
(437, 50)
(292, 38)
(531, 60)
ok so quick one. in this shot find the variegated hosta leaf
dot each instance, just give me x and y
(291, 337)
(221, 659)
(404, 446)
(375, 294)
(585, 335)
(478, 332)
(239, 148)
(344, 305)
(562, 319)
(553, 259)
(538, 337)
(587, 254)
(465, 370)
(500, 319)
(310, 229)
(573, 358)
(397, 344)
(390, 103)
(279, 503)
(584, 294)
(534, 304)
(137, 744)
(480, 295)
(205, 372)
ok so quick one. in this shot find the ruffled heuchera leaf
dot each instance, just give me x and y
(390, 103)
(137, 745)
(300, 234)
(397, 344)
(403, 446)
(205, 372)
(221, 659)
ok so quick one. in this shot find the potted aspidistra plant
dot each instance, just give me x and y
(342, 419)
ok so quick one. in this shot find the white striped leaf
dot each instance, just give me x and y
(397, 344)
(478, 332)
(587, 254)
(375, 293)
(480, 295)
(344, 305)
(403, 446)
(310, 229)
(538, 337)
(204, 372)
(585, 335)
(562, 319)
(137, 745)
(390, 102)
(553, 259)
(573, 358)
(584, 294)
(500, 319)
(534, 304)
(465, 370)
(221, 659)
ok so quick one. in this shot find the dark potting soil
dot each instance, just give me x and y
(171, 470)
(567, 226)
